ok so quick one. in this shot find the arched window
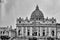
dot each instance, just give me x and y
(34, 34)
(3, 32)
(28, 33)
(43, 32)
(39, 18)
(52, 32)
(19, 32)
(19, 21)
(39, 32)
(52, 21)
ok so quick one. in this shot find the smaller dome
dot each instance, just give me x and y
(37, 14)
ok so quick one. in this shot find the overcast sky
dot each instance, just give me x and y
(24, 8)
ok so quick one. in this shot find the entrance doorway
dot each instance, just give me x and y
(33, 38)
(49, 38)
(5, 37)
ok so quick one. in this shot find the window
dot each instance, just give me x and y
(28, 33)
(0, 32)
(39, 18)
(39, 31)
(3, 32)
(52, 21)
(43, 32)
(34, 34)
(52, 32)
(19, 32)
(39, 34)
(36, 18)
(19, 21)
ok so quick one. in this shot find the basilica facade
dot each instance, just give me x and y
(37, 27)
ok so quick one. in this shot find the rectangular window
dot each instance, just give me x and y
(28, 33)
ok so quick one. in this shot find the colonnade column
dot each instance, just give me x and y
(26, 31)
(55, 32)
(40, 31)
(22, 31)
(30, 31)
(46, 31)
(49, 32)
(17, 31)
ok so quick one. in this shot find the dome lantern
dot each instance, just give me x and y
(37, 8)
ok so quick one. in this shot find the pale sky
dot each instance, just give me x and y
(24, 8)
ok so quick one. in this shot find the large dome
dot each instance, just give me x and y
(37, 14)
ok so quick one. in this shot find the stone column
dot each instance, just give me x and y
(22, 31)
(40, 31)
(55, 32)
(30, 31)
(46, 31)
(17, 31)
(26, 31)
(49, 31)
